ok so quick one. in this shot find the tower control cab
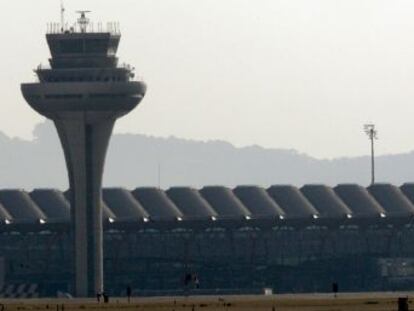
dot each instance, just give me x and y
(84, 73)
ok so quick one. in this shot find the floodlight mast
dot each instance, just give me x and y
(370, 130)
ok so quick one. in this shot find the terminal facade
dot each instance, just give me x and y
(237, 240)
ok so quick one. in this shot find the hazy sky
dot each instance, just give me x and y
(278, 73)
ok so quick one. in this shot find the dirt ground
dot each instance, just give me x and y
(308, 302)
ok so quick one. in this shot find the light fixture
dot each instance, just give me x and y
(281, 217)
(349, 216)
(382, 215)
(213, 218)
(111, 220)
(8, 222)
(179, 219)
(42, 221)
(145, 219)
(247, 217)
(315, 216)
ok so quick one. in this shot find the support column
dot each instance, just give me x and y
(85, 143)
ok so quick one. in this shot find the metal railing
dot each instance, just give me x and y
(126, 66)
(110, 27)
(132, 75)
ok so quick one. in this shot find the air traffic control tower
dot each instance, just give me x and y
(84, 91)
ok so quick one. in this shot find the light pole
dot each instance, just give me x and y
(370, 130)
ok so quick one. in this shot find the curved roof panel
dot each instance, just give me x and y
(258, 201)
(359, 200)
(408, 190)
(392, 199)
(123, 204)
(4, 215)
(20, 206)
(294, 204)
(190, 202)
(224, 202)
(53, 203)
(107, 214)
(157, 204)
(326, 202)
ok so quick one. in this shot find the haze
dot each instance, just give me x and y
(292, 74)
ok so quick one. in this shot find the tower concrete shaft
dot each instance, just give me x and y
(85, 146)
(84, 92)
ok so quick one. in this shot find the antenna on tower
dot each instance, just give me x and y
(62, 16)
(83, 21)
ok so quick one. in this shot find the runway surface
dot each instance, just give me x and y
(305, 302)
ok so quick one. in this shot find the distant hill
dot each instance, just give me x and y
(133, 160)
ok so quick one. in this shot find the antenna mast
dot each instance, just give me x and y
(83, 21)
(62, 16)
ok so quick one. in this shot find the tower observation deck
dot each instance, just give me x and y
(84, 91)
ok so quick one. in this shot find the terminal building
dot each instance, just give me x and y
(237, 240)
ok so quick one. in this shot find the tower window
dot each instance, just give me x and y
(71, 46)
(63, 96)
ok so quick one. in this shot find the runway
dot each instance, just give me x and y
(289, 302)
